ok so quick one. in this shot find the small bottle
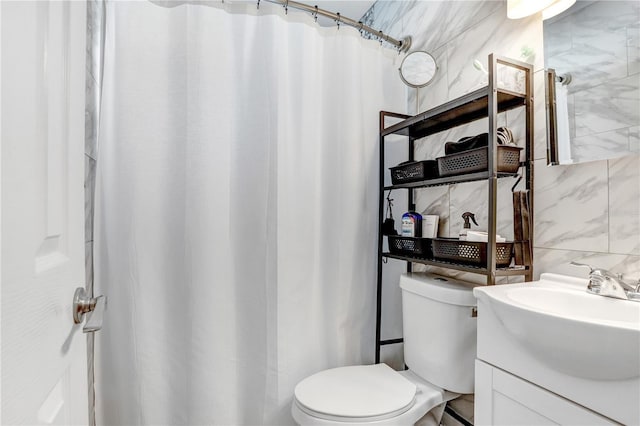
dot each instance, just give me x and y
(411, 224)
(463, 232)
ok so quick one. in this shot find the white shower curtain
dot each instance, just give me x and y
(236, 210)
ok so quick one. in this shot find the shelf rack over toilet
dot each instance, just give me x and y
(486, 102)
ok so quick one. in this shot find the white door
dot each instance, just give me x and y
(44, 378)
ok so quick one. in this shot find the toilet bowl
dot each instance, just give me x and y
(440, 347)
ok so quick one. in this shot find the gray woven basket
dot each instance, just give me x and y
(476, 160)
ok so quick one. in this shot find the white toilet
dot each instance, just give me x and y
(439, 349)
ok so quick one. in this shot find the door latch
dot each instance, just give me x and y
(94, 306)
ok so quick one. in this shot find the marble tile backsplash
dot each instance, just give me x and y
(93, 84)
(624, 205)
(571, 207)
(89, 196)
(633, 49)
(587, 212)
(597, 44)
(620, 99)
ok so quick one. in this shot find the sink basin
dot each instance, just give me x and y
(577, 305)
(581, 346)
(569, 330)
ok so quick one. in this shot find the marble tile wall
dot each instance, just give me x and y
(93, 84)
(597, 43)
(588, 212)
(583, 212)
(94, 51)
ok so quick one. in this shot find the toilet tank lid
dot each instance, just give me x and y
(439, 288)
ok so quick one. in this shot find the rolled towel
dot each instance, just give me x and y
(483, 237)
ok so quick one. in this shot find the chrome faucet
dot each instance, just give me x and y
(606, 283)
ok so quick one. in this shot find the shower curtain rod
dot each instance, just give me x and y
(402, 45)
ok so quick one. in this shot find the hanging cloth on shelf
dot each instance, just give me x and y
(389, 226)
(521, 227)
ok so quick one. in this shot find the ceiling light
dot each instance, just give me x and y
(517, 9)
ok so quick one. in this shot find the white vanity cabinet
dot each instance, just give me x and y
(503, 399)
(550, 353)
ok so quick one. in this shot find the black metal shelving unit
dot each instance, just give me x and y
(486, 102)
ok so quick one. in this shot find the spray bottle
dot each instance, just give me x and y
(463, 232)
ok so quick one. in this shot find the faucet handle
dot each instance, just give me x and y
(606, 283)
(582, 264)
(596, 278)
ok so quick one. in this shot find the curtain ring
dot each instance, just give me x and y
(258, 5)
(338, 19)
(315, 14)
(380, 37)
(286, 7)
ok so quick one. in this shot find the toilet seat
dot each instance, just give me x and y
(362, 393)
(425, 397)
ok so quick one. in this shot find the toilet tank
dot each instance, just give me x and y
(439, 330)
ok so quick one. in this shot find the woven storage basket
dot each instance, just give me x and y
(410, 246)
(414, 171)
(471, 252)
(476, 160)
